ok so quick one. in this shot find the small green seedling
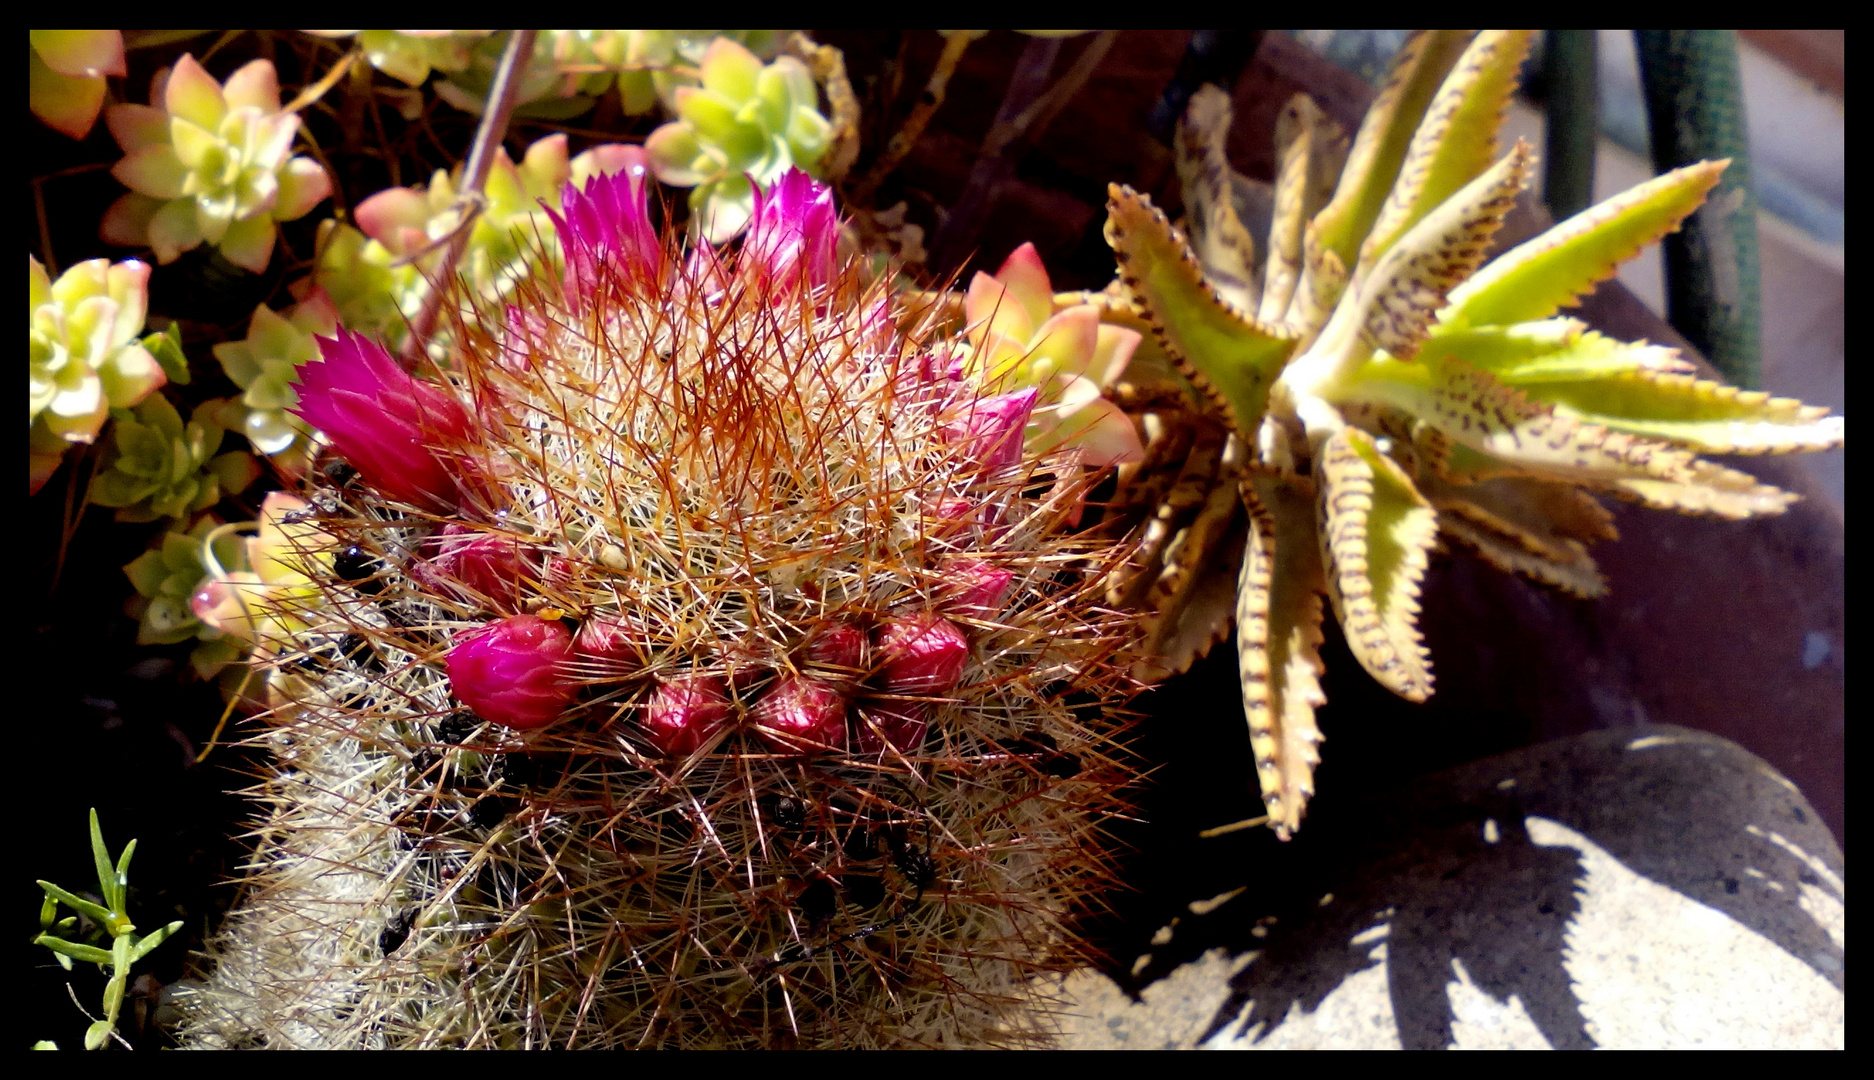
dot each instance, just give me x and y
(126, 946)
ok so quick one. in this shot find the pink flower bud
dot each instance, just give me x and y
(841, 645)
(989, 430)
(613, 643)
(478, 565)
(685, 712)
(605, 230)
(792, 233)
(799, 714)
(976, 590)
(898, 724)
(514, 671)
(386, 423)
(923, 654)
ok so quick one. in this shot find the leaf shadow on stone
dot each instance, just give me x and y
(1442, 868)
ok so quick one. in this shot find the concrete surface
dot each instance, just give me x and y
(1654, 887)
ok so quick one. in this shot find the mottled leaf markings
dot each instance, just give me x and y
(1223, 246)
(1376, 535)
(1278, 619)
(1228, 355)
(1539, 277)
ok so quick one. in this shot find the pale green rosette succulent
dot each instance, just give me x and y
(84, 355)
(264, 365)
(156, 466)
(213, 164)
(746, 125)
(167, 577)
(410, 55)
(65, 76)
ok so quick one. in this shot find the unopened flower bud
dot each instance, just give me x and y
(614, 643)
(923, 654)
(975, 589)
(802, 714)
(989, 430)
(841, 645)
(514, 671)
(898, 724)
(473, 564)
(685, 712)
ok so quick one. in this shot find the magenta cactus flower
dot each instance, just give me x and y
(686, 712)
(514, 672)
(802, 714)
(793, 233)
(388, 424)
(612, 642)
(990, 429)
(977, 590)
(608, 223)
(923, 654)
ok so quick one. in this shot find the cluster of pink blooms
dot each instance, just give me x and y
(863, 688)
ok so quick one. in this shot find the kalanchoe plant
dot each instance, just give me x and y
(1377, 385)
(745, 126)
(166, 579)
(264, 365)
(84, 355)
(157, 466)
(65, 78)
(208, 163)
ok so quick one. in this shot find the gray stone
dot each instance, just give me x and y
(1649, 887)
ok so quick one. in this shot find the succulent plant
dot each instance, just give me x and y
(265, 364)
(1020, 338)
(409, 56)
(378, 278)
(84, 355)
(65, 77)
(156, 466)
(1368, 383)
(271, 593)
(744, 127)
(681, 673)
(167, 578)
(210, 163)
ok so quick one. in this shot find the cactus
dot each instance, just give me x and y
(1368, 384)
(678, 669)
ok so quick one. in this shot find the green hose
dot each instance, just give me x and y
(1695, 107)
(1569, 66)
